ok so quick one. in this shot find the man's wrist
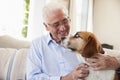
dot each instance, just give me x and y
(67, 77)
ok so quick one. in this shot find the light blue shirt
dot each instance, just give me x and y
(48, 60)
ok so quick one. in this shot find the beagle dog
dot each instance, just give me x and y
(86, 45)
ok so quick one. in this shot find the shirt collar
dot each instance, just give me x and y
(49, 39)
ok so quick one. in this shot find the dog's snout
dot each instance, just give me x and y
(63, 38)
(68, 43)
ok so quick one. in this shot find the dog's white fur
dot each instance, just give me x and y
(97, 75)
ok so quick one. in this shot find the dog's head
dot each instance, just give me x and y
(84, 43)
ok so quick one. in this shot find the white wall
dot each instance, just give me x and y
(106, 21)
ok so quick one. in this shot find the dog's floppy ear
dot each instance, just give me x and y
(90, 48)
(100, 49)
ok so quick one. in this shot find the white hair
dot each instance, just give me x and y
(51, 7)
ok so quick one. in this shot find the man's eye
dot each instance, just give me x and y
(56, 24)
(65, 21)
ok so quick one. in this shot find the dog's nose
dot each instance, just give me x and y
(63, 38)
(68, 43)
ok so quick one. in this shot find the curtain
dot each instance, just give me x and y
(35, 22)
(81, 13)
(90, 16)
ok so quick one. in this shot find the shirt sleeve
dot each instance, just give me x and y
(33, 69)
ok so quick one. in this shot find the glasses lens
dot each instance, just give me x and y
(63, 22)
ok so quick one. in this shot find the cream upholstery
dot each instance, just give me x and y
(6, 55)
(11, 42)
(19, 65)
(13, 63)
(13, 55)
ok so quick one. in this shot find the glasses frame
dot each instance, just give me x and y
(57, 24)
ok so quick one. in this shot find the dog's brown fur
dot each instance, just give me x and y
(90, 45)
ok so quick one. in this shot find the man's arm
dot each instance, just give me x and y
(102, 62)
(34, 64)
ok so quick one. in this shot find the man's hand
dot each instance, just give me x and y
(102, 62)
(78, 73)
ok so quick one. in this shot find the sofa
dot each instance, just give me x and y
(13, 55)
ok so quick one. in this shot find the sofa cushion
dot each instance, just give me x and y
(13, 63)
(18, 71)
(6, 58)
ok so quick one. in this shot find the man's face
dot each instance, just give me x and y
(58, 24)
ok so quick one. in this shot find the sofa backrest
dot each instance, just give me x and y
(7, 41)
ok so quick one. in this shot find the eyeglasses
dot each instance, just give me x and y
(65, 21)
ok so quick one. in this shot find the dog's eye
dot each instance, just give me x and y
(77, 36)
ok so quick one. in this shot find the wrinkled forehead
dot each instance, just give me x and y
(55, 16)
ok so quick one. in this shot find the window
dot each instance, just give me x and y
(11, 17)
(26, 16)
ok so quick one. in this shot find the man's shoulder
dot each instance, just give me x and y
(42, 38)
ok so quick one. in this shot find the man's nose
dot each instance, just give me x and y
(62, 26)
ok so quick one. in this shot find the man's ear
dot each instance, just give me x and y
(91, 47)
(46, 27)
